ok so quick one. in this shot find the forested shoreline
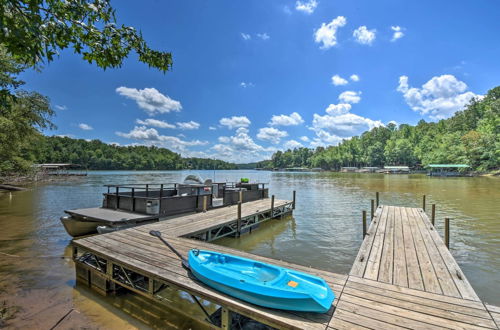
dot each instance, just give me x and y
(471, 136)
(97, 155)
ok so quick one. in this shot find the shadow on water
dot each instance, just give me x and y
(37, 274)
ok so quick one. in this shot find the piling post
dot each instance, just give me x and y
(117, 202)
(205, 203)
(147, 190)
(238, 233)
(423, 202)
(133, 200)
(293, 200)
(447, 232)
(241, 196)
(272, 206)
(364, 224)
(433, 214)
(372, 208)
(377, 198)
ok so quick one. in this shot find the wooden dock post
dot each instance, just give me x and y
(147, 190)
(364, 223)
(423, 202)
(272, 206)
(447, 232)
(238, 229)
(293, 200)
(117, 198)
(241, 196)
(132, 206)
(205, 203)
(372, 208)
(377, 198)
(433, 214)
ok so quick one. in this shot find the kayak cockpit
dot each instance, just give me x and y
(245, 270)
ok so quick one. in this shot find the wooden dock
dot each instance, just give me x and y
(403, 276)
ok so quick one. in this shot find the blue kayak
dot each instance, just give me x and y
(260, 283)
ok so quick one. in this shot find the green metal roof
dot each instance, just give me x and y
(448, 165)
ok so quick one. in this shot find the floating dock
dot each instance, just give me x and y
(403, 276)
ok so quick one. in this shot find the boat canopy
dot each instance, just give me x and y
(448, 166)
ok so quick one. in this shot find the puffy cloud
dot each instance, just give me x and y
(154, 123)
(354, 77)
(85, 127)
(345, 125)
(364, 36)
(350, 97)
(246, 36)
(292, 144)
(438, 98)
(235, 122)
(398, 33)
(188, 125)
(338, 109)
(212, 128)
(283, 120)
(150, 136)
(327, 33)
(61, 107)
(304, 138)
(263, 36)
(150, 100)
(242, 145)
(271, 134)
(246, 84)
(307, 7)
(338, 80)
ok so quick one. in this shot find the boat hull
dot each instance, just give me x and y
(76, 227)
(261, 284)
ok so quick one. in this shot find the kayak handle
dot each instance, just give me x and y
(196, 252)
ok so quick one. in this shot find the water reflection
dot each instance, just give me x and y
(325, 232)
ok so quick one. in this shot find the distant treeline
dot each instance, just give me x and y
(471, 136)
(97, 155)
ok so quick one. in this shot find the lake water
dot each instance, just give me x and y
(37, 275)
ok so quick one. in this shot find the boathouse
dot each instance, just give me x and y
(448, 169)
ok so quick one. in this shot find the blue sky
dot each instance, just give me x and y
(253, 77)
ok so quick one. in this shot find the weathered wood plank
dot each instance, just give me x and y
(463, 285)
(339, 324)
(387, 261)
(400, 275)
(415, 280)
(431, 283)
(373, 265)
(443, 275)
(359, 265)
(494, 312)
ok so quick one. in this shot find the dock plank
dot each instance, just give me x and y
(373, 264)
(415, 280)
(400, 274)
(387, 261)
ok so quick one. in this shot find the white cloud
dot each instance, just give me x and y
(350, 97)
(327, 33)
(338, 80)
(235, 121)
(242, 146)
(307, 7)
(246, 84)
(338, 109)
(85, 127)
(283, 120)
(354, 77)
(154, 123)
(212, 128)
(292, 144)
(364, 36)
(150, 136)
(304, 138)
(438, 98)
(345, 125)
(398, 33)
(271, 134)
(246, 36)
(150, 99)
(61, 107)
(263, 36)
(188, 125)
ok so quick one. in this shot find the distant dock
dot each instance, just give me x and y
(403, 276)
